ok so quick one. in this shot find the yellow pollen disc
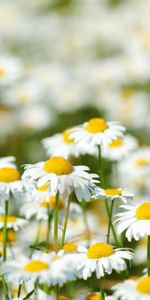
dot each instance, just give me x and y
(92, 297)
(11, 236)
(58, 165)
(143, 211)
(2, 73)
(51, 203)
(10, 219)
(142, 162)
(66, 137)
(116, 143)
(127, 94)
(113, 192)
(70, 247)
(143, 286)
(43, 188)
(99, 250)
(63, 298)
(96, 125)
(8, 175)
(36, 266)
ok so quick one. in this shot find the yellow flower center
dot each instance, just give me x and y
(2, 73)
(113, 192)
(66, 137)
(11, 236)
(116, 143)
(10, 219)
(127, 94)
(96, 125)
(143, 211)
(58, 165)
(36, 266)
(63, 298)
(51, 203)
(143, 286)
(8, 175)
(142, 162)
(70, 247)
(43, 188)
(92, 296)
(99, 250)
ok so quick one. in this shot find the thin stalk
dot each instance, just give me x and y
(111, 225)
(148, 255)
(84, 210)
(5, 231)
(110, 221)
(56, 221)
(5, 288)
(19, 289)
(65, 223)
(100, 171)
(102, 294)
(48, 226)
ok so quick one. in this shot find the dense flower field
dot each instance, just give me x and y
(74, 150)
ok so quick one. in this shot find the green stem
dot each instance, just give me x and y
(5, 231)
(56, 221)
(110, 221)
(111, 225)
(100, 171)
(84, 211)
(102, 294)
(148, 255)
(65, 223)
(48, 226)
(5, 287)
(19, 289)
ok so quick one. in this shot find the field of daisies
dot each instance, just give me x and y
(74, 150)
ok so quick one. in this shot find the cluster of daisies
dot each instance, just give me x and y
(64, 232)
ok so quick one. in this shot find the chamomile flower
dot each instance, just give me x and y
(39, 210)
(101, 258)
(61, 271)
(63, 177)
(97, 132)
(133, 289)
(135, 220)
(119, 148)
(13, 222)
(10, 69)
(113, 194)
(61, 144)
(10, 182)
(93, 296)
(137, 166)
(23, 269)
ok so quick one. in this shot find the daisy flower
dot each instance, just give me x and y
(13, 223)
(24, 269)
(61, 145)
(39, 210)
(10, 69)
(101, 258)
(133, 289)
(135, 220)
(10, 182)
(113, 194)
(137, 166)
(93, 296)
(119, 148)
(97, 132)
(63, 177)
